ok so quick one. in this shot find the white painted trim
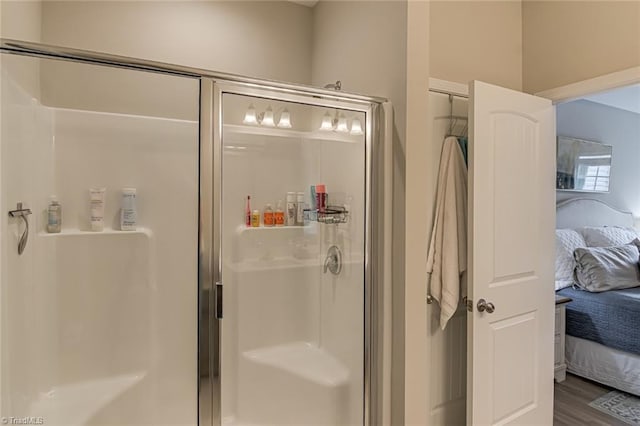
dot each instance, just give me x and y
(592, 86)
(449, 86)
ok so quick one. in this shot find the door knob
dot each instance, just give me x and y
(483, 305)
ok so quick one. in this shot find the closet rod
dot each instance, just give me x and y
(444, 92)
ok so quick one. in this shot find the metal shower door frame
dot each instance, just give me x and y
(211, 282)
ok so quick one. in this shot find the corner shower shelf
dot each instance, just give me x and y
(304, 360)
(107, 231)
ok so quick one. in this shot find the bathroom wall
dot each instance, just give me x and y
(22, 20)
(268, 40)
(477, 40)
(612, 126)
(569, 41)
(364, 44)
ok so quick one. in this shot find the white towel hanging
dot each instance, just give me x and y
(447, 259)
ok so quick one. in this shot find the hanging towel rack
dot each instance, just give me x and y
(22, 213)
(453, 121)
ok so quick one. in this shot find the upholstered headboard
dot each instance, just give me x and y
(579, 212)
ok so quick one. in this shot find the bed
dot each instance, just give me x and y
(603, 329)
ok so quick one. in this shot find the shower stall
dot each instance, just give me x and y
(204, 314)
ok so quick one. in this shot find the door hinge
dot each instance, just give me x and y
(468, 303)
(218, 300)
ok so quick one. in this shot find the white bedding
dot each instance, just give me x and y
(618, 369)
(585, 358)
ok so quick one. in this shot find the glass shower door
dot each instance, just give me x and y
(292, 258)
(98, 323)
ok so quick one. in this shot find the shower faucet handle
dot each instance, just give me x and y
(22, 213)
(19, 211)
(333, 261)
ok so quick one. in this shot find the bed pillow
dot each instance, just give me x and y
(607, 236)
(567, 241)
(607, 268)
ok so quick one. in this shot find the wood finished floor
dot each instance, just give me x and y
(572, 398)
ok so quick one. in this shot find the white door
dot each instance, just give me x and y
(511, 257)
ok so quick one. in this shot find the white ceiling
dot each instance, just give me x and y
(624, 98)
(308, 3)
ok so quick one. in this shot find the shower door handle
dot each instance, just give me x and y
(218, 296)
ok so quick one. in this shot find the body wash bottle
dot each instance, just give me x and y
(54, 215)
(128, 213)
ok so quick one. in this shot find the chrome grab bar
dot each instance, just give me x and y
(23, 213)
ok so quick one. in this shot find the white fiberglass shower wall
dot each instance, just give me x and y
(98, 327)
(193, 318)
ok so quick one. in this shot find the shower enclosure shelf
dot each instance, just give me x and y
(243, 228)
(107, 231)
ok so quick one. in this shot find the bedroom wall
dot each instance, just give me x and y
(620, 128)
(570, 41)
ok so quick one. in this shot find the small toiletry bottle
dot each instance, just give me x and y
(96, 199)
(307, 214)
(54, 215)
(268, 216)
(255, 218)
(321, 198)
(300, 209)
(279, 214)
(313, 207)
(128, 212)
(291, 209)
(247, 212)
